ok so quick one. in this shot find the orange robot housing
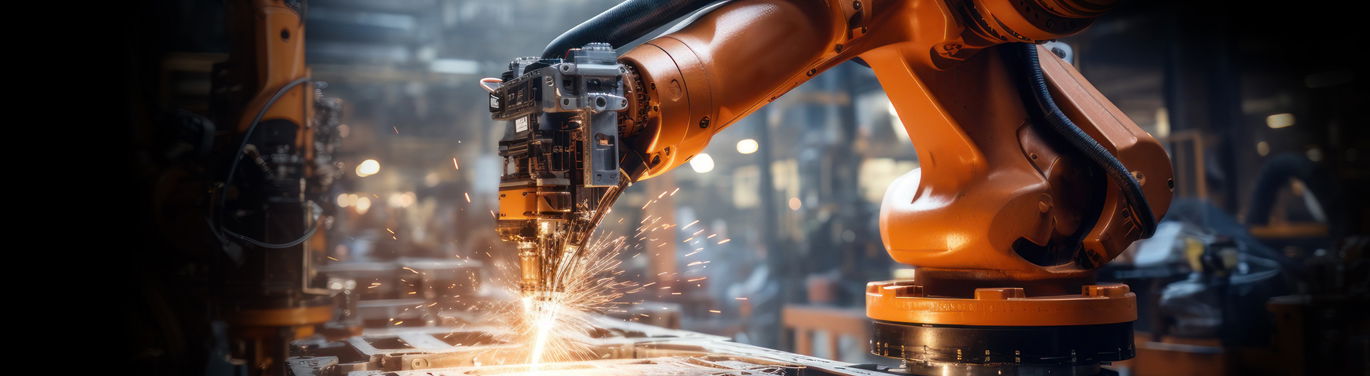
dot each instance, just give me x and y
(1030, 179)
(997, 203)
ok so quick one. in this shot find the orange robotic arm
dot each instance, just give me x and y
(996, 200)
(1030, 178)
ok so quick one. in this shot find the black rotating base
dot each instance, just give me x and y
(1003, 350)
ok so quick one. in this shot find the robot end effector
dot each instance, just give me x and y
(560, 154)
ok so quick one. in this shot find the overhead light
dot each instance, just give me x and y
(400, 200)
(747, 146)
(454, 66)
(368, 167)
(346, 200)
(702, 163)
(363, 204)
(1314, 154)
(1278, 121)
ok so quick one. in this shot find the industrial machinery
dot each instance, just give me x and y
(560, 155)
(618, 348)
(266, 210)
(246, 187)
(1030, 178)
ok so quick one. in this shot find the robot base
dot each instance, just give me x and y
(1001, 331)
(1003, 350)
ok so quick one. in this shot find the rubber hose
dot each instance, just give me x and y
(1061, 125)
(622, 24)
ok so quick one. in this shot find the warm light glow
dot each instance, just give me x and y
(702, 163)
(400, 200)
(368, 167)
(545, 320)
(795, 204)
(345, 200)
(1278, 121)
(363, 204)
(583, 283)
(747, 146)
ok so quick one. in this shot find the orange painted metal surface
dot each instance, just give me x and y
(266, 54)
(988, 187)
(272, 51)
(905, 301)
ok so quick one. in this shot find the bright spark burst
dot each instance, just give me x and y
(556, 325)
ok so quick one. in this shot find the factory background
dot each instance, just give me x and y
(1258, 268)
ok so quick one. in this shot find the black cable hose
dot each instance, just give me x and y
(622, 24)
(1061, 125)
(233, 169)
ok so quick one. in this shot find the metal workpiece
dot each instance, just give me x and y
(402, 292)
(618, 348)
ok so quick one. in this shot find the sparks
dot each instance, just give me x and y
(455, 166)
(555, 323)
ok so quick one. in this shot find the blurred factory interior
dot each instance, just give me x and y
(769, 236)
